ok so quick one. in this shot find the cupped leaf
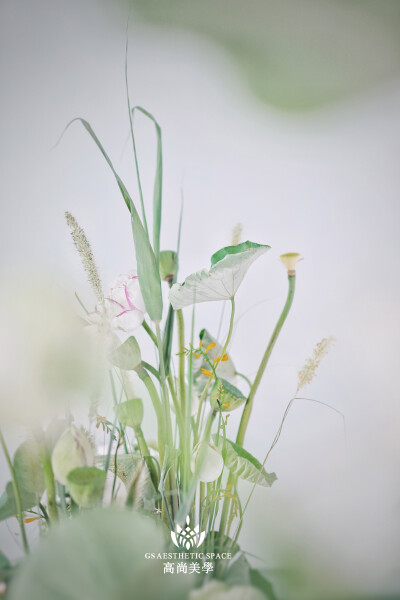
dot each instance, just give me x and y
(225, 396)
(221, 282)
(130, 413)
(127, 355)
(27, 467)
(8, 505)
(243, 464)
(86, 485)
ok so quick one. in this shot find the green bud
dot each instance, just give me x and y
(86, 485)
(130, 413)
(168, 264)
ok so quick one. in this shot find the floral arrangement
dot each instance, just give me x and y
(178, 492)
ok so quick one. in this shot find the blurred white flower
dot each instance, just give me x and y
(212, 462)
(46, 359)
(123, 309)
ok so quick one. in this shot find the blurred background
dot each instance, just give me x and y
(281, 116)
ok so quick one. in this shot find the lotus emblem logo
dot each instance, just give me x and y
(186, 537)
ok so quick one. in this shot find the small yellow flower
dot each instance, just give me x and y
(206, 372)
(210, 346)
(224, 358)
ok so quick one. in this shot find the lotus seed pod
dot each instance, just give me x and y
(86, 485)
(290, 260)
(74, 449)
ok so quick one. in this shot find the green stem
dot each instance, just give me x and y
(261, 369)
(167, 414)
(144, 451)
(249, 403)
(151, 388)
(17, 494)
(181, 342)
(149, 332)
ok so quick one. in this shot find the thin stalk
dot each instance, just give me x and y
(151, 388)
(261, 369)
(133, 138)
(187, 447)
(170, 487)
(249, 403)
(181, 342)
(164, 389)
(17, 494)
(144, 451)
(149, 332)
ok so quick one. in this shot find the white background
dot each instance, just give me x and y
(324, 184)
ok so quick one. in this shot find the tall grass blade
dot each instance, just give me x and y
(148, 269)
(88, 127)
(132, 134)
(157, 193)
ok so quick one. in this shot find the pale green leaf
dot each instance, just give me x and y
(225, 369)
(225, 396)
(27, 467)
(221, 282)
(243, 464)
(8, 505)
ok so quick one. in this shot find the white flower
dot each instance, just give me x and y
(123, 309)
(212, 462)
(228, 268)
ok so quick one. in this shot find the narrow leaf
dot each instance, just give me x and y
(148, 269)
(88, 127)
(157, 193)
